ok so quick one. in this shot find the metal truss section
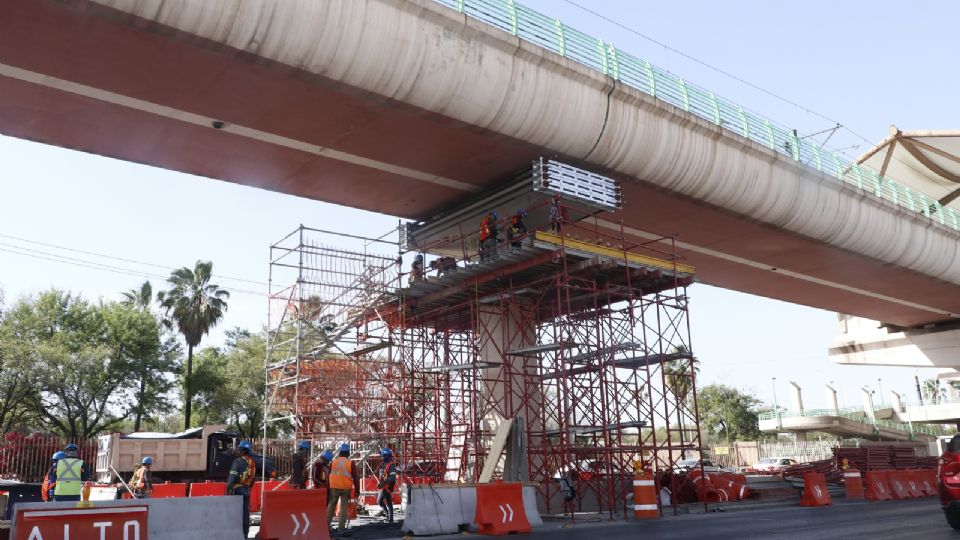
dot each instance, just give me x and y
(577, 184)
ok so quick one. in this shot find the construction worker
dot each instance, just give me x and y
(298, 479)
(558, 215)
(488, 237)
(142, 480)
(387, 483)
(417, 272)
(443, 265)
(343, 478)
(243, 472)
(70, 474)
(321, 471)
(50, 479)
(517, 229)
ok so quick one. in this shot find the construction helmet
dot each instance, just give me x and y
(345, 447)
(493, 214)
(419, 257)
(327, 455)
(71, 448)
(147, 461)
(58, 455)
(304, 445)
(386, 454)
(244, 446)
(521, 212)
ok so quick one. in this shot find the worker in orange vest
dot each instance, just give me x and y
(142, 480)
(343, 478)
(488, 237)
(387, 483)
(50, 479)
(321, 471)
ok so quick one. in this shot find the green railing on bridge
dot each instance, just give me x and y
(855, 414)
(602, 56)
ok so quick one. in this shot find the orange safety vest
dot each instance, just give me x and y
(340, 477)
(249, 475)
(137, 481)
(486, 230)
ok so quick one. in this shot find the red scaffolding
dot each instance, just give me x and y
(579, 338)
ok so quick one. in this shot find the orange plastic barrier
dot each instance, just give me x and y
(500, 509)
(168, 491)
(208, 489)
(928, 481)
(897, 486)
(910, 478)
(877, 487)
(815, 490)
(645, 496)
(853, 484)
(294, 514)
(269, 485)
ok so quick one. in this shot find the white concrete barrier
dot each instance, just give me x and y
(445, 508)
(210, 518)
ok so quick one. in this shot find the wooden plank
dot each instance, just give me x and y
(496, 449)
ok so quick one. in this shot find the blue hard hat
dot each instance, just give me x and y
(327, 455)
(304, 445)
(521, 212)
(345, 447)
(493, 213)
(71, 448)
(386, 452)
(58, 455)
(147, 461)
(244, 445)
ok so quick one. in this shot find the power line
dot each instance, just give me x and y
(95, 254)
(718, 70)
(98, 266)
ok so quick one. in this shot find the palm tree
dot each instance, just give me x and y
(195, 305)
(679, 375)
(140, 298)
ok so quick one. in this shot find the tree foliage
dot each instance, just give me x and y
(229, 383)
(728, 413)
(80, 360)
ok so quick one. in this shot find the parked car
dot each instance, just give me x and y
(774, 464)
(948, 481)
(685, 465)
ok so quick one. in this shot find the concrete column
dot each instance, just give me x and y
(797, 397)
(867, 403)
(897, 402)
(832, 399)
(801, 436)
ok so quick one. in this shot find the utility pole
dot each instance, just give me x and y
(880, 386)
(916, 380)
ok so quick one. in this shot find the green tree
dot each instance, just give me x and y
(83, 357)
(229, 385)
(17, 377)
(155, 364)
(194, 305)
(680, 374)
(729, 413)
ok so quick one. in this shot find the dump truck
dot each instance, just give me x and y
(194, 455)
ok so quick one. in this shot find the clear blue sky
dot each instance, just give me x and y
(865, 64)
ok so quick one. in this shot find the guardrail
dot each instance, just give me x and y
(855, 414)
(641, 75)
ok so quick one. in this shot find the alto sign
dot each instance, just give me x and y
(94, 523)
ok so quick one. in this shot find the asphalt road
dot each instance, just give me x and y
(915, 518)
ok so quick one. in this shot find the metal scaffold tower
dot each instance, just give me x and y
(562, 353)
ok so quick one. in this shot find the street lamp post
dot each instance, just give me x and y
(880, 386)
(776, 406)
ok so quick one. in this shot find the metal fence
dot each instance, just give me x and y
(27, 458)
(641, 75)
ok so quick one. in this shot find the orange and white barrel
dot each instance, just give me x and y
(645, 496)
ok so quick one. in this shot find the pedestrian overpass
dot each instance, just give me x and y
(408, 107)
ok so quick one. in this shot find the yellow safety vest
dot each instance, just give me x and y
(340, 477)
(68, 477)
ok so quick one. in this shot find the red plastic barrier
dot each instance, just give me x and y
(897, 485)
(294, 514)
(928, 481)
(877, 487)
(815, 490)
(500, 509)
(269, 485)
(912, 481)
(208, 489)
(853, 484)
(168, 491)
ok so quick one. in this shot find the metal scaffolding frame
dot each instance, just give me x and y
(584, 335)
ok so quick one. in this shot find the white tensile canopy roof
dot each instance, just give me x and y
(927, 161)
